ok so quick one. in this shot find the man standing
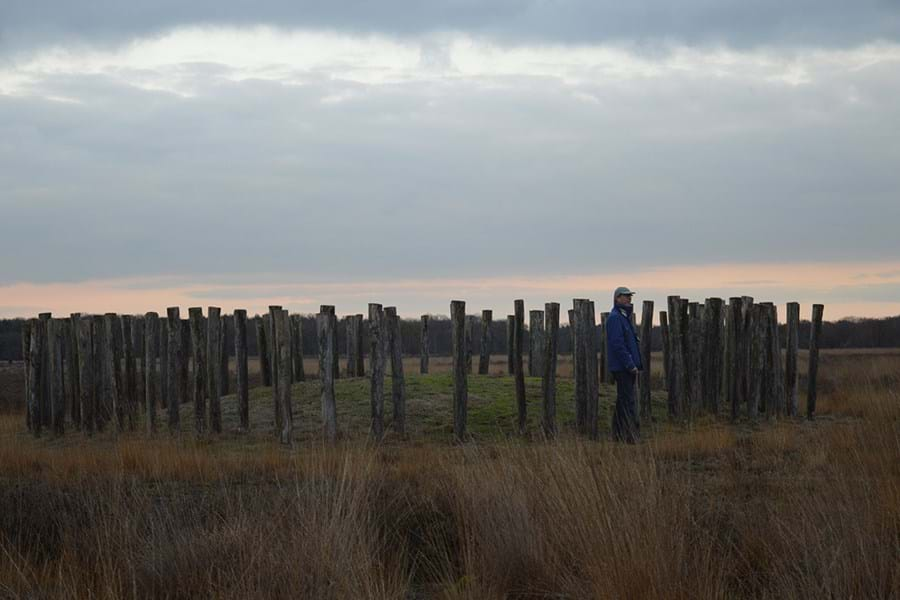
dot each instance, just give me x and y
(624, 363)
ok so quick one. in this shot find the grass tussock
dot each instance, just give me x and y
(789, 509)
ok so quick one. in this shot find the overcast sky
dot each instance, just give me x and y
(245, 153)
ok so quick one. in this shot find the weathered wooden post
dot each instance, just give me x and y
(272, 337)
(131, 403)
(281, 330)
(83, 372)
(326, 328)
(588, 336)
(46, 401)
(518, 347)
(358, 340)
(57, 386)
(815, 333)
(350, 324)
(174, 356)
(746, 349)
(757, 360)
(460, 374)
(666, 349)
(579, 367)
(735, 354)
(241, 368)
(398, 383)
(487, 342)
(262, 345)
(423, 358)
(677, 377)
(297, 347)
(224, 378)
(603, 367)
(35, 375)
(711, 354)
(377, 358)
(137, 335)
(695, 355)
(102, 410)
(110, 387)
(535, 339)
(26, 365)
(72, 368)
(470, 342)
(164, 362)
(774, 374)
(151, 371)
(336, 367)
(791, 372)
(548, 380)
(200, 379)
(510, 344)
(184, 376)
(214, 371)
(727, 349)
(645, 412)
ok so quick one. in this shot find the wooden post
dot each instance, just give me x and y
(262, 345)
(510, 344)
(727, 359)
(757, 360)
(272, 337)
(646, 335)
(695, 355)
(791, 372)
(45, 392)
(214, 371)
(336, 367)
(518, 347)
(281, 365)
(460, 374)
(535, 342)
(358, 341)
(470, 342)
(174, 356)
(398, 383)
(129, 395)
(35, 375)
(376, 352)
(26, 365)
(588, 336)
(297, 347)
(666, 349)
(57, 389)
(579, 367)
(137, 337)
(72, 369)
(735, 354)
(224, 378)
(711, 354)
(326, 327)
(423, 358)
(200, 379)
(487, 342)
(102, 410)
(815, 333)
(548, 377)
(677, 378)
(241, 368)
(151, 371)
(164, 362)
(84, 372)
(184, 376)
(110, 388)
(603, 366)
(746, 346)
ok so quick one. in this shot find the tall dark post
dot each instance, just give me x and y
(358, 340)
(666, 351)
(757, 360)
(56, 338)
(98, 354)
(84, 370)
(72, 369)
(112, 383)
(297, 347)
(184, 375)
(487, 342)
(398, 384)
(510, 344)
(130, 394)
(535, 342)
(677, 377)
(791, 372)
(815, 333)
(774, 374)
(281, 331)
(548, 380)
(151, 369)
(272, 337)
(423, 359)
(460, 374)
(470, 342)
(350, 325)
(518, 347)
(376, 352)
(163, 363)
(646, 333)
(746, 345)
(711, 354)
(326, 326)
(695, 356)
(200, 383)
(735, 353)
(605, 374)
(241, 368)
(26, 365)
(579, 367)
(588, 337)
(46, 400)
(262, 345)
(35, 375)
(173, 392)
(214, 371)
(224, 376)
(137, 336)
(336, 366)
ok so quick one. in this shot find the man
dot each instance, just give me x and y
(624, 362)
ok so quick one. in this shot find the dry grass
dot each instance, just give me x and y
(783, 510)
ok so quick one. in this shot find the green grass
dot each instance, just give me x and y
(492, 412)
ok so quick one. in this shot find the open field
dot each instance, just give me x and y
(790, 509)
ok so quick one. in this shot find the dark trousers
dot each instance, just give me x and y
(625, 427)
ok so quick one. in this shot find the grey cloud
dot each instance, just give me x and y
(398, 180)
(24, 23)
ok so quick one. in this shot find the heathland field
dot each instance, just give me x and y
(786, 509)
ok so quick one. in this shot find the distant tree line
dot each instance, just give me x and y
(846, 333)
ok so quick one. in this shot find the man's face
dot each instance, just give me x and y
(623, 299)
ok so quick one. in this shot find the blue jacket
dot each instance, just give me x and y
(623, 352)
